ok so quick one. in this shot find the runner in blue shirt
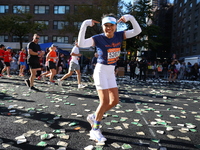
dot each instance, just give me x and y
(108, 46)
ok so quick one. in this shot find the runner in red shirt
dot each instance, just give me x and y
(2, 51)
(52, 59)
(22, 61)
(7, 60)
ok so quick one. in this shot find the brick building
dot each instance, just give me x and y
(50, 12)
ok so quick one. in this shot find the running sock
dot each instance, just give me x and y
(96, 125)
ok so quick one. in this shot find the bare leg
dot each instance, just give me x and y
(108, 99)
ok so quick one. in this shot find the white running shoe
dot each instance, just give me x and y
(43, 78)
(80, 86)
(91, 119)
(51, 83)
(60, 82)
(97, 136)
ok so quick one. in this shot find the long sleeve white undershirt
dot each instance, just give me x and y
(82, 42)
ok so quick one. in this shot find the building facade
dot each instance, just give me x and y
(186, 28)
(50, 12)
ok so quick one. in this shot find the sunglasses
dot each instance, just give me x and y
(37, 38)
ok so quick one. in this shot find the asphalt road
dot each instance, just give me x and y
(150, 115)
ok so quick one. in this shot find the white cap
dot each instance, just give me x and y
(109, 20)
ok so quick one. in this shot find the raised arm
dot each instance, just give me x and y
(136, 27)
(82, 42)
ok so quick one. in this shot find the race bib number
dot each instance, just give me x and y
(113, 54)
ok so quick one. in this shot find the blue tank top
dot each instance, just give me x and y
(108, 49)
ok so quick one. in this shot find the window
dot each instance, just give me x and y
(75, 38)
(195, 36)
(183, 41)
(180, 14)
(16, 39)
(198, 1)
(190, 5)
(60, 39)
(183, 30)
(43, 39)
(41, 10)
(59, 24)
(61, 9)
(3, 38)
(184, 21)
(188, 39)
(43, 22)
(77, 24)
(189, 28)
(194, 48)
(189, 17)
(3, 9)
(196, 24)
(196, 14)
(17, 9)
(182, 51)
(180, 5)
(185, 1)
(184, 11)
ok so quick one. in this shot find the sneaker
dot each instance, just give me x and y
(52, 83)
(97, 135)
(80, 86)
(91, 119)
(33, 88)
(1, 75)
(60, 82)
(39, 77)
(43, 79)
(9, 76)
(27, 81)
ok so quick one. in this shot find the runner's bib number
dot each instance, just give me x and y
(113, 54)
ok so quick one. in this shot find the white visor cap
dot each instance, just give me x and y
(109, 20)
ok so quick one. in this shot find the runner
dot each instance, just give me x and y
(34, 52)
(108, 46)
(7, 60)
(52, 59)
(22, 61)
(74, 66)
(2, 51)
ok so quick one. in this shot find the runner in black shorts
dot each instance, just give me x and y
(34, 52)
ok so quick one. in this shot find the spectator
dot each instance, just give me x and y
(182, 71)
(195, 71)
(132, 65)
(172, 72)
(143, 68)
(188, 70)
(94, 62)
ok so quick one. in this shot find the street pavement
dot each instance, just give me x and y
(151, 115)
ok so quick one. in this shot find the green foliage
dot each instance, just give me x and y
(19, 25)
(150, 35)
(94, 12)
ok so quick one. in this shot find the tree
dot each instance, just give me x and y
(19, 25)
(83, 12)
(148, 38)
